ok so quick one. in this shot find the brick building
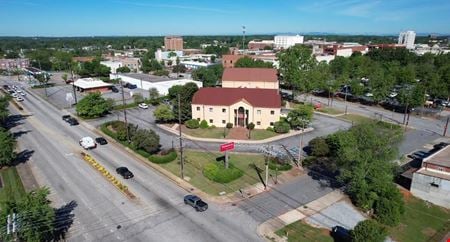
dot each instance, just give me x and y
(260, 44)
(432, 181)
(262, 78)
(228, 61)
(173, 43)
(6, 64)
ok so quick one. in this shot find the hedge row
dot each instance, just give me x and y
(217, 172)
(163, 159)
(273, 165)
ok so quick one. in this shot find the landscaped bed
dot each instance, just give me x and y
(329, 110)
(195, 162)
(218, 133)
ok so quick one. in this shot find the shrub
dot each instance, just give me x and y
(203, 124)
(281, 127)
(145, 139)
(192, 124)
(163, 158)
(229, 126)
(278, 164)
(143, 153)
(93, 105)
(217, 172)
(388, 209)
(163, 113)
(270, 129)
(319, 147)
(368, 231)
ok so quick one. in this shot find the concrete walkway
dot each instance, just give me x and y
(268, 228)
(268, 140)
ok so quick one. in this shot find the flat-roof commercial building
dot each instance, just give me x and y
(112, 64)
(173, 43)
(91, 85)
(432, 181)
(19, 63)
(145, 81)
(261, 78)
(239, 106)
(260, 44)
(286, 41)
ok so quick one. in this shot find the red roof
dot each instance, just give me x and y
(250, 74)
(263, 98)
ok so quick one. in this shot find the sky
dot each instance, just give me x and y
(214, 17)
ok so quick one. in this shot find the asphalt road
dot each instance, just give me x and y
(158, 214)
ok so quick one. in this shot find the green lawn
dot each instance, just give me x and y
(12, 188)
(300, 231)
(421, 222)
(355, 118)
(259, 134)
(328, 110)
(217, 133)
(195, 160)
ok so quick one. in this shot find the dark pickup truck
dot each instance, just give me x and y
(196, 203)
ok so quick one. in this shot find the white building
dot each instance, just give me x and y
(407, 38)
(113, 64)
(145, 81)
(286, 41)
(192, 65)
(164, 55)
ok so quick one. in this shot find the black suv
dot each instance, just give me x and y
(101, 141)
(66, 117)
(114, 89)
(196, 203)
(124, 172)
(340, 233)
(72, 121)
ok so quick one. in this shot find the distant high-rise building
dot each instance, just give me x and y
(286, 41)
(173, 43)
(407, 39)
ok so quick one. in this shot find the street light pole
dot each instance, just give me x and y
(181, 140)
(124, 110)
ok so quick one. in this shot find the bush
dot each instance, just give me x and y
(270, 129)
(163, 113)
(278, 164)
(145, 139)
(93, 105)
(217, 172)
(229, 126)
(281, 127)
(319, 147)
(389, 208)
(192, 124)
(143, 153)
(203, 124)
(163, 158)
(368, 231)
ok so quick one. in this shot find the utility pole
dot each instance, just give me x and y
(73, 86)
(267, 172)
(299, 164)
(45, 78)
(446, 126)
(124, 111)
(181, 140)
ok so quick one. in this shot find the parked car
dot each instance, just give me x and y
(196, 203)
(340, 233)
(441, 145)
(124, 172)
(143, 105)
(101, 141)
(72, 121)
(19, 99)
(87, 143)
(130, 86)
(114, 89)
(419, 155)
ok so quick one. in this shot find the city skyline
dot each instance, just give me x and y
(155, 18)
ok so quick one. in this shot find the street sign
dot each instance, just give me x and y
(227, 146)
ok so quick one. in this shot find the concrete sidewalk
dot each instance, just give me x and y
(268, 228)
(271, 139)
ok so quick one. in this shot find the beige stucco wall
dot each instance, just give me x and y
(216, 114)
(244, 84)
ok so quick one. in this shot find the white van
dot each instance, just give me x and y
(87, 143)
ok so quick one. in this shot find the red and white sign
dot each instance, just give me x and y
(227, 146)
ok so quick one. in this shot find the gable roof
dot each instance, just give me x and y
(263, 98)
(250, 74)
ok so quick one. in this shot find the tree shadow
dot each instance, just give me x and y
(14, 120)
(324, 177)
(20, 133)
(22, 157)
(63, 220)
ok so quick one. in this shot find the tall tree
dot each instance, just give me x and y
(93, 105)
(7, 147)
(296, 65)
(252, 63)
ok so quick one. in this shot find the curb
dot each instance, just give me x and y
(211, 140)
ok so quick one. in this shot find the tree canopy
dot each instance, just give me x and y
(93, 105)
(252, 63)
(209, 76)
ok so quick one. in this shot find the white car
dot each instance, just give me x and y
(87, 143)
(14, 95)
(143, 105)
(19, 99)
